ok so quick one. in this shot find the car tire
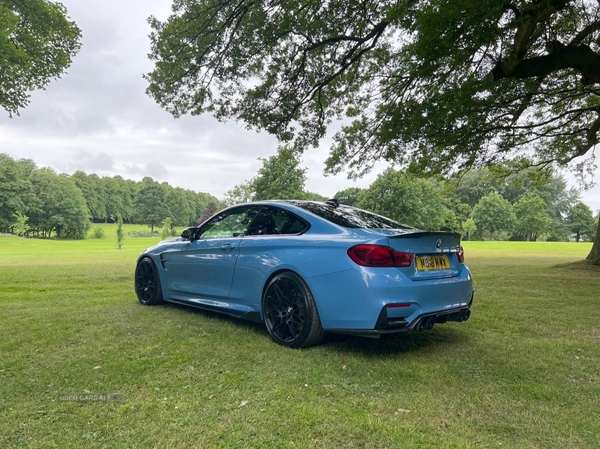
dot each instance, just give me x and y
(147, 283)
(290, 312)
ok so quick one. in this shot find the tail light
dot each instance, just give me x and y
(379, 256)
(461, 255)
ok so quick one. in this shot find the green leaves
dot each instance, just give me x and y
(17, 197)
(37, 43)
(582, 222)
(532, 216)
(62, 206)
(280, 177)
(432, 86)
(494, 214)
(152, 203)
(268, 64)
(415, 201)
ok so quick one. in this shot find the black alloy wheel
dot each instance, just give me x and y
(290, 313)
(147, 283)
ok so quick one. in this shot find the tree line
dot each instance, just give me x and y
(40, 202)
(479, 203)
(527, 205)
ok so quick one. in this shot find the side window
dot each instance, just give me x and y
(272, 221)
(228, 224)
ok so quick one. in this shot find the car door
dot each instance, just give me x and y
(203, 268)
(270, 242)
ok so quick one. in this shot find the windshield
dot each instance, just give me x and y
(350, 217)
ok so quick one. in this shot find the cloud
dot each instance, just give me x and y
(87, 162)
(153, 169)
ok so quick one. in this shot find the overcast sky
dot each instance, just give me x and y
(97, 117)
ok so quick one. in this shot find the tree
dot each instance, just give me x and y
(94, 192)
(20, 227)
(167, 227)
(581, 222)
(120, 233)
(62, 206)
(198, 203)
(120, 197)
(152, 203)
(457, 75)
(532, 218)
(350, 196)
(280, 177)
(37, 44)
(594, 255)
(241, 193)
(16, 191)
(181, 208)
(435, 86)
(312, 196)
(494, 214)
(551, 187)
(414, 201)
(26, 191)
(468, 227)
(472, 185)
(458, 212)
(209, 211)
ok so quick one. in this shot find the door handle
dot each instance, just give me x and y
(227, 247)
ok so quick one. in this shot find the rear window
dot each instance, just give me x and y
(350, 217)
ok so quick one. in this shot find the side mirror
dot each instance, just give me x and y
(189, 234)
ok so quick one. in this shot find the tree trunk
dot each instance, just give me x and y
(594, 256)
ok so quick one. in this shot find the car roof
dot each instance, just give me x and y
(318, 223)
(337, 219)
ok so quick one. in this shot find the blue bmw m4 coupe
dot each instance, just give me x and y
(306, 268)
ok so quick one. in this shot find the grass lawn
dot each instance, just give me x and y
(523, 372)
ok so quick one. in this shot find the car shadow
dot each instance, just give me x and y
(437, 339)
(396, 344)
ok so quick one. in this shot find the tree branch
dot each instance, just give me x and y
(594, 26)
(529, 19)
(579, 57)
(591, 137)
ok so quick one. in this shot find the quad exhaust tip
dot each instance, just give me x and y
(464, 315)
(427, 323)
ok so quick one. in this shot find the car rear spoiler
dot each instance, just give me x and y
(413, 235)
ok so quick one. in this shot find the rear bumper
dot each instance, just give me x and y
(389, 325)
(354, 299)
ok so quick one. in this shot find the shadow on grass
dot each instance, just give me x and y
(398, 344)
(583, 267)
(393, 344)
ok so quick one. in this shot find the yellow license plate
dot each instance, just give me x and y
(426, 263)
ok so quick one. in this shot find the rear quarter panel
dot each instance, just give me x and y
(309, 256)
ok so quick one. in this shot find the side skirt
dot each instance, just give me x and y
(246, 313)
